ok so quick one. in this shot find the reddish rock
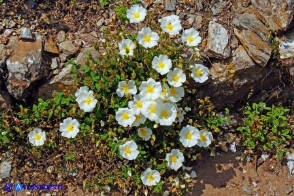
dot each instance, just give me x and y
(50, 46)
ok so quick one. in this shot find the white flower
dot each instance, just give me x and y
(200, 73)
(176, 77)
(129, 150)
(140, 119)
(136, 104)
(176, 94)
(165, 92)
(136, 13)
(125, 117)
(37, 137)
(204, 139)
(145, 133)
(81, 90)
(180, 114)
(150, 177)
(187, 109)
(126, 87)
(150, 108)
(161, 64)
(69, 127)
(150, 90)
(191, 37)
(86, 101)
(126, 47)
(166, 113)
(189, 136)
(175, 159)
(171, 24)
(147, 38)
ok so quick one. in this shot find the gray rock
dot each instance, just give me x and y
(217, 43)
(82, 57)
(198, 22)
(170, 5)
(100, 22)
(288, 189)
(26, 33)
(259, 50)
(217, 8)
(278, 13)
(246, 189)
(55, 63)
(68, 47)
(26, 65)
(5, 169)
(64, 76)
(286, 49)
(7, 32)
(61, 36)
(241, 59)
(30, 3)
(11, 24)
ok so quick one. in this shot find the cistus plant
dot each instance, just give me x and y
(266, 128)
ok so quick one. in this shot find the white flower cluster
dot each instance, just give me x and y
(69, 128)
(156, 101)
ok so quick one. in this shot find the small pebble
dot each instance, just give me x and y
(288, 189)
(246, 189)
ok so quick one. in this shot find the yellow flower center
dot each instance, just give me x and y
(203, 138)
(138, 117)
(173, 92)
(88, 100)
(170, 27)
(188, 136)
(173, 158)
(164, 92)
(38, 136)
(136, 15)
(164, 114)
(161, 65)
(152, 109)
(139, 104)
(125, 116)
(127, 49)
(125, 88)
(190, 39)
(175, 78)
(70, 128)
(198, 72)
(150, 89)
(127, 150)
(150, 177)
(143, 132)
(147, 38)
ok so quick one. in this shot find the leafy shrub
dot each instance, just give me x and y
(266, 128)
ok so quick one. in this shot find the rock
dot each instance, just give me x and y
(63, 57)
(2, 55)
(68, 47)
(55, 63)
(61, 36)
(222, 71)
(89, 39)
(11, 24)
(26, 65)
(245, 3)
(100, 22)
(7, 32)
(26, 33)
(170, 5)
(82, 57)
(217, 8)
(278, 13)
(64, 76)
(291, 71)
(50, 46)
(286, 49)
(249, 21)
(218, 39)
(30, 4)
(246, 189)
(288, 189)
(198, 22)
(241, 59)
(5, 169)
(257, 49)
(290, 159)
